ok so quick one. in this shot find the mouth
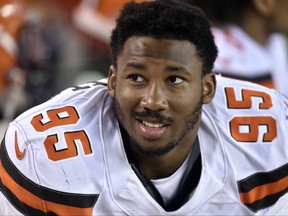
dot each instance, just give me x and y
(152, 130)
(152, 125)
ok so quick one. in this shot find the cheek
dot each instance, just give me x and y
(126, 98)
(185, 102)
(124, 92)
(184, 108)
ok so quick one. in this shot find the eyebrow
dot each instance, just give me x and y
(135, 66)
(139, 66)
(177, 69)
(174, 68)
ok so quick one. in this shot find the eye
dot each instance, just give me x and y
(175, 80)
(136, 78)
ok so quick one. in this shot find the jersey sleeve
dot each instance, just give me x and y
(6, 207)
(17, 173)
(281, 208)
(252, 122)
(49, 153)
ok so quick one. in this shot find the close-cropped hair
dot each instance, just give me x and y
(165, 19)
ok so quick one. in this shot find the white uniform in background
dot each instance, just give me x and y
(242, 57)
(66, 157)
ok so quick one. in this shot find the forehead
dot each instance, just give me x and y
(181, 52)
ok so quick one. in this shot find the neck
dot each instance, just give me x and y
(157, 167)
(255, 26)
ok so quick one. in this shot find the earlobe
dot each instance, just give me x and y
(111, 81)
(209, 87)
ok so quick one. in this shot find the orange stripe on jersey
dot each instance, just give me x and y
(35, 202)
(33, 199)
(262, 191)
(22, 194)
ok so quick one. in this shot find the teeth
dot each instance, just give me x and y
(152, 125)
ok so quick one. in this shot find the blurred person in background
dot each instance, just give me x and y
(95, 19)
(45, 47)
(28, 59)
(71, 50)
(12, 78)
(248, 34)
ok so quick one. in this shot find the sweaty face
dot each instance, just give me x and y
(157, 92)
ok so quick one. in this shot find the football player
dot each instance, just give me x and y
(163, 135)
(250, 36)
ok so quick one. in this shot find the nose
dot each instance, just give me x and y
(154, 98)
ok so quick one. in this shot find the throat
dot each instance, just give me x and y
(155, 166)
(167, 187)
(170, 189)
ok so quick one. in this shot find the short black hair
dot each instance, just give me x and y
(165, 19)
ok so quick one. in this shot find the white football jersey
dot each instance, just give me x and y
(66, 157)
(242, 57)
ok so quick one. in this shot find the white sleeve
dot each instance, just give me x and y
(281, 208)
(6, 208)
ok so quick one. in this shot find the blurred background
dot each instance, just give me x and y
(251, 36)
(49, 45)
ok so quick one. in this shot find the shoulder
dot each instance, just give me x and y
(66, 108)
(252, 113)
(250, 123)
(54, 144)
(95, 90)
(248, 96)
(52, 150)
(241, 103)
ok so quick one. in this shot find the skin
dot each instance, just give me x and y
(266, 17)
(158, 90)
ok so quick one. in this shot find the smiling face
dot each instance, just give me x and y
(158, 91)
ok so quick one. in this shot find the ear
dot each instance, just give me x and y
(112, 81)
(209, 87)
(264, 7)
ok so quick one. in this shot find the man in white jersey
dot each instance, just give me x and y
(250, 36)
(158, 137)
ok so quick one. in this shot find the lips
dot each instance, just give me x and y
(153, 125)
(151, 130)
